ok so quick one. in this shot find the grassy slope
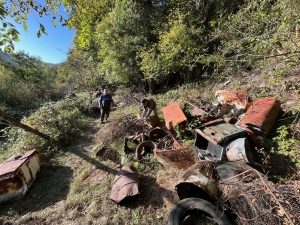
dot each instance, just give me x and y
(74, 188)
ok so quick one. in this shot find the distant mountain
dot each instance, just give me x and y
(6, 56)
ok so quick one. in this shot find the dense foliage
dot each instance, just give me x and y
(60, 120)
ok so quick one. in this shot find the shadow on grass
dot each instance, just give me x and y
(51, 186)
(151, 194)
(93, 161)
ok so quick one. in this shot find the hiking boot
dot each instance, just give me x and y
(101, 121)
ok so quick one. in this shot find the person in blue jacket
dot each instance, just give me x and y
(105, 102)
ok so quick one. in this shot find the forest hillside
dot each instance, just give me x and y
(172, 51)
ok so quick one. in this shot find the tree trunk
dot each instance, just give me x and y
(151, 84)
(14, 122)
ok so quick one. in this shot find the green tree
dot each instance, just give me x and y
(120, 36)
(79, 71)
(19, 10)
(259, 32)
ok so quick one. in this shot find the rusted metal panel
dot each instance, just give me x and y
(240, 98)
(215, 135)
(126, 184)
(228, 170)
(260, 118)
(218, 130)
(199, 181)
(181, 158)
(17, 174)
(171, 154)
(173, 115)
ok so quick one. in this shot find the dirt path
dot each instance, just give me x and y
(75, 190)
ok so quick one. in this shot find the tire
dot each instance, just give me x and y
(139, 148)
(154, 132)
(182, 208)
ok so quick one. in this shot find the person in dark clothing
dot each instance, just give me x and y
(149, 106)
(105, 101)
(99, 93)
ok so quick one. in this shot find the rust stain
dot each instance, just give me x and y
(29, 169)
(177, 158)
(173, 115)
(11, 184)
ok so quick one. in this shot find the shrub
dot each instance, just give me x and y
(59, 120)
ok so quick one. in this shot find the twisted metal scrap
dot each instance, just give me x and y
(127, 125)
(259, 203)
(124, 126)
(167, 143)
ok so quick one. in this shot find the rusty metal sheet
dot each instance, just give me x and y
(203, 116)
(228, 171)
(239, 98)
(173, 115)
(200, 181)
(262, 114)
(177, 158)
(126, 184)
(218, 130)
(17, 174)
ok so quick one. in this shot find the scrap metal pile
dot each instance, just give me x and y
(220, 164)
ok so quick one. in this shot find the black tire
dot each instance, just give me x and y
(158, 132)
(185, 207)
(139, 148)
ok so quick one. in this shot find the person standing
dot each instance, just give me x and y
(105, 101)
(98, 93)
(149, 106)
